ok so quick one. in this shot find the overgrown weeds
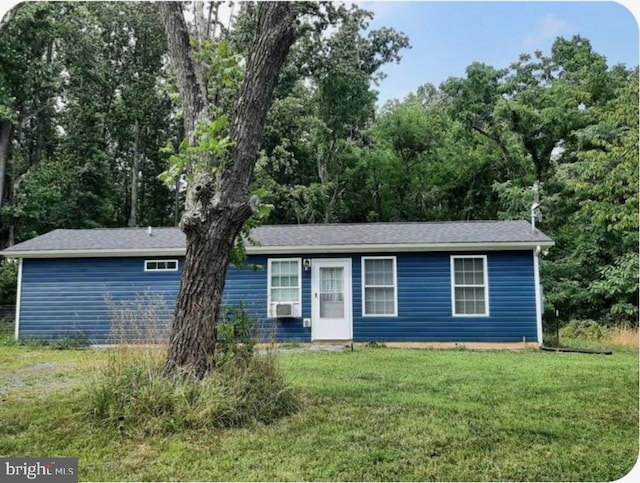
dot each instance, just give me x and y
(67, 342)
(134, 395)
(590, 332)
(142, 320)
(625, 335)
(583, 329)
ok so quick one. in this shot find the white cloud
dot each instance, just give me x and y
(547, 28)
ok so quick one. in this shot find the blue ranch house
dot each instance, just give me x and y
(462, 282)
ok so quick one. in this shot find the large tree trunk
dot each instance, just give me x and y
(6, 129)
(218, 205)
(133, 212)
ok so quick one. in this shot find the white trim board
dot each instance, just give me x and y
(538, 288)
(18, 300)
(289, 250)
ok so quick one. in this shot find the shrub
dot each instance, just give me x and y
(236, 334)
(8, 282)
(583, 329)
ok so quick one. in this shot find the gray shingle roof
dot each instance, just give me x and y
(301, 237)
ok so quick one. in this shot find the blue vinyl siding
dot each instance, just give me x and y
(424, 302)
(61, 297)
(248, 287)
(96, 298)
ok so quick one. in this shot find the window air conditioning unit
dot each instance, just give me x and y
(284, 310)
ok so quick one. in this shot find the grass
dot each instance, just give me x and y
(372, 414)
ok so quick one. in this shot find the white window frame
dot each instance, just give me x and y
(269, 264)
(485, 285)
(147, 269)
(395, 286)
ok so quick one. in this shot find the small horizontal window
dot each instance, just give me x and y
(161, 265)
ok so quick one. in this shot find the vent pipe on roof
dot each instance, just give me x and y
(534, 211)
(149, 232)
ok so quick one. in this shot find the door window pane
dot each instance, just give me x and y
(331, 292)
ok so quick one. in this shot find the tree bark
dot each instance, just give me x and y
(6, 130)
(133, 213)
(218, 204)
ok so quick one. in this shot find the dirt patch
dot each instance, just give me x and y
(48, 366)
(29, 377)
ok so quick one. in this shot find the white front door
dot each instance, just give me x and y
(331, 299)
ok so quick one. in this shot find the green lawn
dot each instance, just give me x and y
(372, 414)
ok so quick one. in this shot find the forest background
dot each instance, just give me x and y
(90, 117)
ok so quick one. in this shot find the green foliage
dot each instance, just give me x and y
(87, 85)
(619, 284)
(223, 72)
(588, 330)
(81, 84)
(324, 106)
(237, 333)
(8, 282)
(595, 269)
(209, 147)
(206, 152)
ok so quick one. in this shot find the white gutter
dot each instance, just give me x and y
(289, 249)
(398, 247)
(18, 300)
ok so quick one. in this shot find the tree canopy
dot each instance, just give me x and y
(92, 118)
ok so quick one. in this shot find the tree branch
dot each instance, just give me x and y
(190, 83)
(274, 36)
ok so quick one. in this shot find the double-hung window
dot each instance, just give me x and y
(284, 280)
(469, 285)
(379, 286)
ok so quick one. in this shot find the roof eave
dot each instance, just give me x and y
(102, 253)
(400, 247)
(300, 249)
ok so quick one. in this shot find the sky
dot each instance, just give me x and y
(446, 37)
